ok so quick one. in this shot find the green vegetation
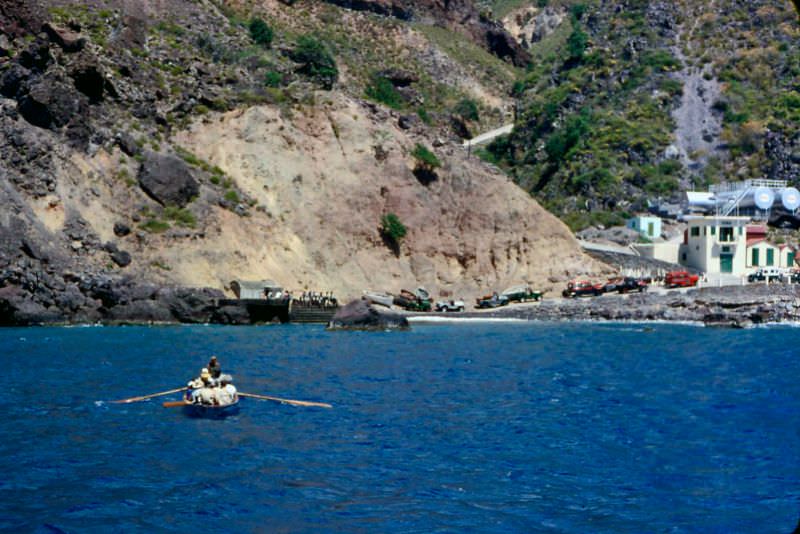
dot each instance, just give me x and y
(232, 196)
(316, 60)
(260, 32)
(467, 109)
(181, 216)
(382, 90)
(273, 79)
(425, 157)
(392, 228)
(594, 118)
(155, 226)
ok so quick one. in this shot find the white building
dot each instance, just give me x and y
(715, 245)
(647, 225)
(244, 289)
(762, 253)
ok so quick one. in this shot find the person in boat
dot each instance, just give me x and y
(226, 393)
(200, 388)
(214, 368)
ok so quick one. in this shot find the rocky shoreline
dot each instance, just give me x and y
(100, 299)
(731, 306)
(75, 299)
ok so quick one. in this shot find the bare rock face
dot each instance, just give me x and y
(167, 179)
(325, 191)
(359, 315)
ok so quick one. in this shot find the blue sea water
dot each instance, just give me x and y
(460, 428)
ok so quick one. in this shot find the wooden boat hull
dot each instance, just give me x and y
(207, 411)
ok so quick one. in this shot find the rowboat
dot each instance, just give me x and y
(375, 297)
(209, 411)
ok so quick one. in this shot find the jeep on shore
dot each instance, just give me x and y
(766, 274)
(580, 288)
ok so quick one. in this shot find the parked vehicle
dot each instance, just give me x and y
(450, 306)
(417, 301)
(680, 279)
(580, 288)
(521, 293)
(491, 301)
(623, 284)
(766, 274)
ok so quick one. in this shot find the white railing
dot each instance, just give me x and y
(728, 187)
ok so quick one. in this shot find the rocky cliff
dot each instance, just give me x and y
(156, 145)
(460, 15)
(630, 102)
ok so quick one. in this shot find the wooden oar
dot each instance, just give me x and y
(173, 404)
(286, 401)
(145, 397)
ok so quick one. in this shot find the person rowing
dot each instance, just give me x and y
(214, 367)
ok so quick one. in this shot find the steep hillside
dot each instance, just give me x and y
(630, 101)
(181, 143)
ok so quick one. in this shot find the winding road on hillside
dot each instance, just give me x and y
(488, 136)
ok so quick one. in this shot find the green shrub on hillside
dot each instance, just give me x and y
(155, 226)
(382, 90)
(392, 227)
(565, 139)
(576, 45)
(261, 33)
(425, 157)
(316, 61)
(467, 109)
(182, 216)
(273, 79)
(393, 231)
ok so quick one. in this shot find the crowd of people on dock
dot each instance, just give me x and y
(316, 298)
(212, 387)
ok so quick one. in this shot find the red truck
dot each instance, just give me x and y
(680, 279)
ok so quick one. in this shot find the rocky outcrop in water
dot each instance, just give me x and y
(360, 315)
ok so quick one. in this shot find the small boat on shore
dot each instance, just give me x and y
(376, 297)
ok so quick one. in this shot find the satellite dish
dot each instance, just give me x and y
(790, 198)
(763, 198)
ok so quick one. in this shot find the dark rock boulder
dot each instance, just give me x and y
(399, 77)
(68, 40)
(121, 258)
(36, 57)
(12, 80)
(121, 229)
(17, 308)
(89, 80)
(503, 45)
(52, 104)
(127, 144)
(231, 314)
(359, 315)
(140, 311)
(407, 122)
(167, 179)
(190, 305)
